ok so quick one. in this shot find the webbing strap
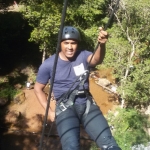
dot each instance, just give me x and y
(82, 79)
(70, 101)
(88, 104)
(65, 103)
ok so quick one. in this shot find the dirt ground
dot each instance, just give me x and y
(24, 133)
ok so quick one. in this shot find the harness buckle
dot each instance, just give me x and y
(62, 106)
(80, 92)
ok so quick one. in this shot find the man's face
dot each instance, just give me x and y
(68, 49)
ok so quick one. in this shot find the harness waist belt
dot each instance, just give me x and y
(62, 106)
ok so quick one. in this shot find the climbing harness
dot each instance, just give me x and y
(68, 98)
(70, 101)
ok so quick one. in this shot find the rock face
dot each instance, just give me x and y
(103, 82)
(19, 98)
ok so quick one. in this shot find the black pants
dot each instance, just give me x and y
(68, 127)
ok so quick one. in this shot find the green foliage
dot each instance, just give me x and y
(136, 87)
(129, 127)
(86, 13)
(128, 51)
(13, 83)
(8, 91)
(117, 48)
(45, 16)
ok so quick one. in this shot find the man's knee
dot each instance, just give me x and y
(110, 148)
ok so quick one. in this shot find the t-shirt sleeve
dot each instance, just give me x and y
(87, 54)
(43, 75)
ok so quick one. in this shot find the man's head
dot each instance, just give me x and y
(69, 43)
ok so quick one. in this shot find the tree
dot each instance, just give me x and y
(44, 16)
(129, 127)
(129, 51)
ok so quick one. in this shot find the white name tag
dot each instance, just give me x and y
(79, 69)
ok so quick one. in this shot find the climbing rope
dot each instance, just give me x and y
(105, 28)
(54, 70)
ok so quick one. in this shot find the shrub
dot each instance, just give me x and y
(129, 127)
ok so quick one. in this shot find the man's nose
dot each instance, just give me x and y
(70, 46)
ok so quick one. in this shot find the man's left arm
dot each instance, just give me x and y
(99, 55)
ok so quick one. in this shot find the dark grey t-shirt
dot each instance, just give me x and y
(67, 72)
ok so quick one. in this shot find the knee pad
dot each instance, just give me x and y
(111, 148)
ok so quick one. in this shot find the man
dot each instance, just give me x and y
(75, 105)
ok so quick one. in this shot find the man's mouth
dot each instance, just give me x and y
(69, 53)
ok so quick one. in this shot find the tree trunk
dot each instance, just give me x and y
(44, 54)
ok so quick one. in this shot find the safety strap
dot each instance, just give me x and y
(68, 99)
(63, 105)
(65, 96)
(89, 101)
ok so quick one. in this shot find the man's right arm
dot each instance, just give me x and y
(38, 89)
